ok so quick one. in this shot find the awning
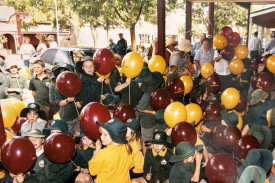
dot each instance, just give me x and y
(264, 17)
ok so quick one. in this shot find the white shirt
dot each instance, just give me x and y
(53, 44)
(40, 125)
(255, 45)
(272, 51)
(26, 48)
(178, 61)
(43, 46)
(221, 67)
(270, 44)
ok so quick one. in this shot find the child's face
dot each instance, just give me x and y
(37, 142)
(86, 141)
(158, 148)
(118, 62)
(105, 137)
(55, 131)
(32, 116)
(38, 69)
(88, 67)
(189, 159)
(13, 71)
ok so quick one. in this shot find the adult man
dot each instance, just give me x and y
(52, 42)
(170, 47)
(198, 45)
(121, 46)
(255, 47)
(271, 43)
(204, 55)
(112, 46)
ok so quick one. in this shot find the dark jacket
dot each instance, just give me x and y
(38, 169)
(114, 80)
(121, 47)
(28, 179)
(82, 157)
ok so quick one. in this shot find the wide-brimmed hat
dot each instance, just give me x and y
(56, 70)
(184, 150)
(57, 125)
(159, 137)
(257, 96)
(170, 41)
(110, 99)
(116, 129)
(185, 45)
(35, 133)
(253, 173)
(263, 134)
(150, 80)
(78, 138)
(78, 65)
(11, 67)
(230, 117)
(142, 74)
(159, 117)
(78, 53)
(134, 125)
(35, 107)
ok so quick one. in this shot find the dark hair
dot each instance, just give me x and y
(206, 39)
(39, 62)
(256, 34)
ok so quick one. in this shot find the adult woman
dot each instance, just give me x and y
(43, 43)
(26, 50)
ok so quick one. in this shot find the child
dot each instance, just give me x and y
(19, 178)
(33, 114)
(133, 137)
(156, 163)
(112, 164)
(183, 170)
(229, 118)
(15, 84)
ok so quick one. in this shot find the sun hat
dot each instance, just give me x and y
(170, 41)
(11, 67)
(185, 45)
(150, 80)
(56, 71)
(253, 173)
(35, 133)
(159, 117)
(159, 137)
(79, 64)
(263, 135)
(134, 125)
(257, 96)
(57, 125)
(110, 99)
(230, 117)
(35, 107)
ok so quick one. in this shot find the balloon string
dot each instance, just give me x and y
(76, 108)
(101, 92)
(111, 89)
(130, 94)
(74, 163)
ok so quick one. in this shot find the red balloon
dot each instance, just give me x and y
(254, 65)
(18, 155)
(231, 136)
(216, 136)
(213, 84)
(160, 99)
(175, 88)
(104, 61)
(124, 112)
(221, 168)
(245, 144)
(59, 147)
(254, 81)
(266, 81)
(68, 84)
(16, 127)
(228, 33)
(228, 53)
(242, 103)
(184, 132)
(89, 115)
(212, 112)
(235, 40)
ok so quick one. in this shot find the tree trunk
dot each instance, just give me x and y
(107, 31)
(133, 37)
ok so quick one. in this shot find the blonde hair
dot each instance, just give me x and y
(117, 57)
(135, 137)
(42, 38)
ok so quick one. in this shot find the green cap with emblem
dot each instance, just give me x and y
(159, 137)
(34, 107)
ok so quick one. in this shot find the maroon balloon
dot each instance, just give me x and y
(124, 112)
(235, 40)
(104, 61)
(228, 53)
(160, 99)
(184, 132)
(216, 136)
(221, 168)
(68, 84)
(254, 65)
(18, 155)
(228, 33)
(254, 81)
(175, 88)
(231, 136)
(213, 84)
(266, 81)
(242, 103)
(245, 144)
(59, 147)
(212, 112)
(16, 127)
(89, 115)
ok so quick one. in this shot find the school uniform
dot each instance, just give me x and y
(38, 169)
(83, 156)
(114, 80)
(138, 157)
(16, 81)
(181, 172)
(28, 179)
(135, 94)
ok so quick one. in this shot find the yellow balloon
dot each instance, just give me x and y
(8, 113)
(132, 64)
(270, 64)
(17, 104)
(241, 52)
(219, 41)
(105, 76)
(157, 63)
(230, 98)
(25, 72)
(9, 135)
(194, 113)
(174, 114)
(240, 123)
(268, 117)
(207, 70)
(188, 84)
(236, 66)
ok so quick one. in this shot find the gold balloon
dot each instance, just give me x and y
(25, 72)
(207, 70)
(188, 84)
(105, 76)
(174, 114)
(236, 66)
(157, 63)
(240, 121)
(270, 64)
(241, 52)
(230, 98)
(132, 64)
(8, 113)
(194, 113)
(9, 135)
(219, 41)
(17, 104)
(268, 117)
